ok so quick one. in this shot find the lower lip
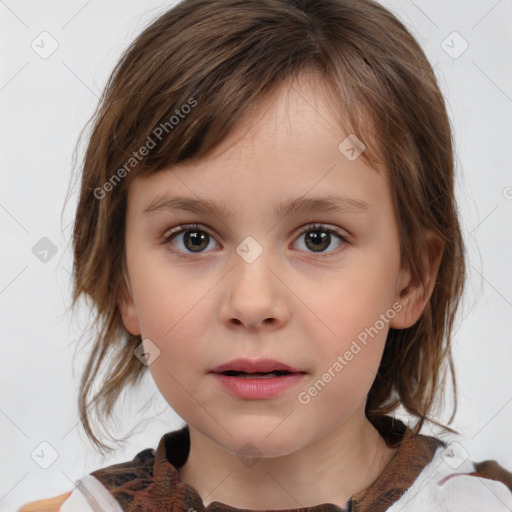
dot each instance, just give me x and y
(258, 388)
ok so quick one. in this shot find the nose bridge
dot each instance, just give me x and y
(255, 294)
(252, 260)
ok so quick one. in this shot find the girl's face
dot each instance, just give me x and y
(315, 288)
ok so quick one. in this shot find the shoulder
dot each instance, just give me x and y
(89, 495)
(110, 478)
(452, 482)
(102, 484)
(491, 470)
(118, 475)
(485, 486)
(48, 505)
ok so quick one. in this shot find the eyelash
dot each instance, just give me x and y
(310, 227)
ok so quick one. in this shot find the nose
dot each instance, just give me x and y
(255, 296)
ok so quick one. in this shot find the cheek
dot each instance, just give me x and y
(174, 326)
(340, 389)
(169, 301)
(180, 337)
(351, 319)
(350, 303)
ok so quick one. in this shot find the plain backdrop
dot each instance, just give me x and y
(45, 101)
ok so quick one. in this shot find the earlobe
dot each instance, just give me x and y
(411, 293)
(127, 309)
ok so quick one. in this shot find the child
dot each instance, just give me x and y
(267, 223)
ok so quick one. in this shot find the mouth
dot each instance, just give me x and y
(260, 368)
(257, 379)
(257, 375)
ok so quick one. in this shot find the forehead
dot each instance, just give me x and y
(289, 146)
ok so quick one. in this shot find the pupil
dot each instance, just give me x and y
(319, 239)
(199, 240)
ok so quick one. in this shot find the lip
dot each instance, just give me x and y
(256, 388)
(253, 366)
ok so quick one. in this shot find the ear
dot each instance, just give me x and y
(410, 292)
(127, 309)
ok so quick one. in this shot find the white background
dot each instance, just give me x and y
(44, 105)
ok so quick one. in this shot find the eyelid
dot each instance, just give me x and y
(319, 226)
(308, 227)
(182, 228)
(185, 227)
(313, 226)
(325, 227)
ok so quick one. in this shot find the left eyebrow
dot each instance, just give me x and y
(330, 203)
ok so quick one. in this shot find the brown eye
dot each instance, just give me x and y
(189, 239)
(195, 240)
(318, 238)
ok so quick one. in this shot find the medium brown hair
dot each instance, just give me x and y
(227, 56)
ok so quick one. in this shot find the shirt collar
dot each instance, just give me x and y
(413, 454)
(150, 482)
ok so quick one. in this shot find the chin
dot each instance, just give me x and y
(261, 447)
(266, 439)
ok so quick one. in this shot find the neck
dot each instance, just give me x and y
(330, 470)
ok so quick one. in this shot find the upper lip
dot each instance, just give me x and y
(254, 366)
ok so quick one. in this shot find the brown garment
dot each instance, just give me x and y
(150, 482)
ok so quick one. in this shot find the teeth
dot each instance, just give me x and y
(255, 375)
